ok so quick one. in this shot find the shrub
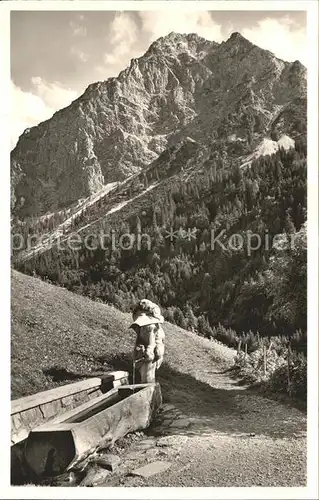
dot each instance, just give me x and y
(251, 369)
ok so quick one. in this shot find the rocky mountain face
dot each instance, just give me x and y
(229, 96)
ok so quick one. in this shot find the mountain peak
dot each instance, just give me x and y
(176, 37)
(180, 41)
(237, 37)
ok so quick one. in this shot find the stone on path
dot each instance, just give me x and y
(168, 406)
(95, 476)
(145, 444)
(151, 469)
(108, 461)
(181, 423)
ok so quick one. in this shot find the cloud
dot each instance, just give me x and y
(123, 36)
(127, 40)
(29, 109)
(82, 56)
(286, 39)
(77, 28)
(160, 23)
(53, 94)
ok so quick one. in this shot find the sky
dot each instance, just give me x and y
(55, 55)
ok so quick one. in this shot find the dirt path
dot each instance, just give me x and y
(215, 432)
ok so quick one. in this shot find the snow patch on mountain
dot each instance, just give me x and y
(286, 142)
(267, 147)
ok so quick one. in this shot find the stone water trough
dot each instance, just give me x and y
(62, 443)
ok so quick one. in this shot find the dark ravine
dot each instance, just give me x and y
(183, 86)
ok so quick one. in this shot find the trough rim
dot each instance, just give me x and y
(45, 397)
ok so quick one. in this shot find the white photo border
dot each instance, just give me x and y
(311, 490)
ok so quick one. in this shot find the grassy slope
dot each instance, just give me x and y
(58, 337)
